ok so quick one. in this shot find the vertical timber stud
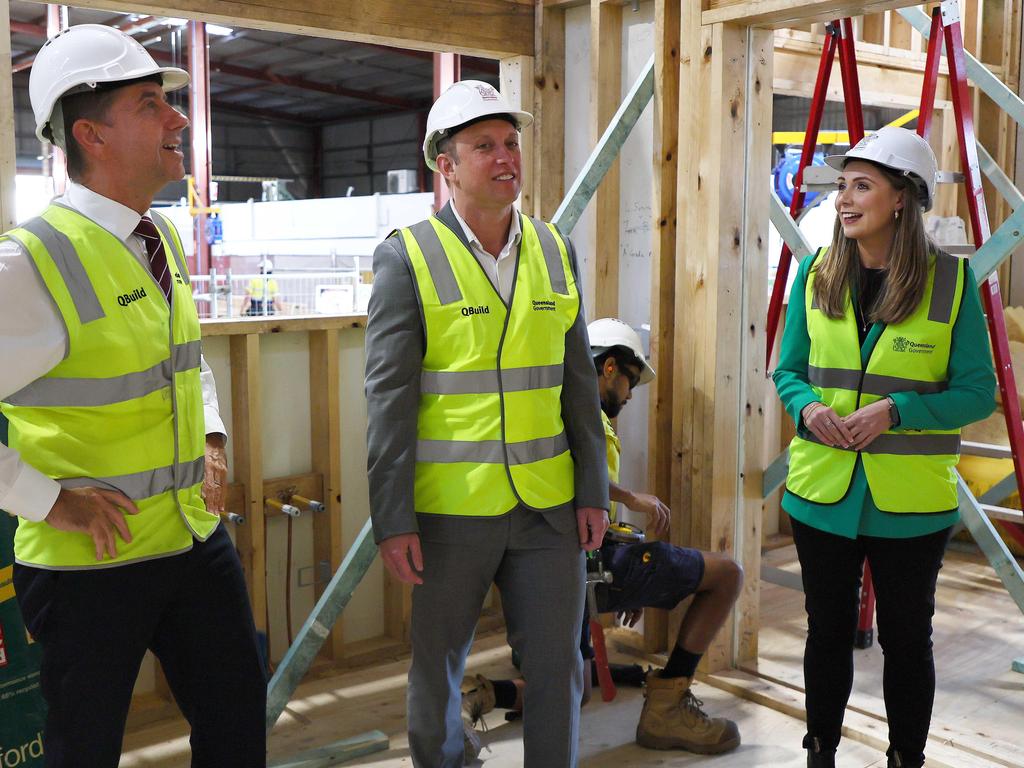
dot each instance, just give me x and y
(447, 70)
(516, 79)
(325, 445)
(548, 173)
(8, 151)
(723, 214)
(663, 271)
(56, 22)
(605, 97)
(247, 445)
(695, 55)
(199, 109)
(753, 381)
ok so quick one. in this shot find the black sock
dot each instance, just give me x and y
(504, 694)
(681, 663)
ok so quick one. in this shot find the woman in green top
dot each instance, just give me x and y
(884, 357)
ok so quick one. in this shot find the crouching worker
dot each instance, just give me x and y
(646, 575)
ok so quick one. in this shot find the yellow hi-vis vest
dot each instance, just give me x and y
(490, 432)
(124, 409)
(907, 470)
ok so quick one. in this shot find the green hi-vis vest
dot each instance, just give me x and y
(124, 409)
(907, 470)
(490, 429)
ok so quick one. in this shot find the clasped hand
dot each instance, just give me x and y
(854, 432)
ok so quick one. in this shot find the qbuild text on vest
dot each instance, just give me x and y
(10, 757)
(127, 298)
(481, 310)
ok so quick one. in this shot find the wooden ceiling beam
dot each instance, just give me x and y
(785, 13)
(488, 28)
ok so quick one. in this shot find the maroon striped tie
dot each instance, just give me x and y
(147, 230)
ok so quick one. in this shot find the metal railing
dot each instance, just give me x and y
(223, 295)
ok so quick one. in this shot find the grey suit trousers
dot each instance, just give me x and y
(536, 561)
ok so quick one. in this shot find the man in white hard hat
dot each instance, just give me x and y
(485, 453)
(116, 465)
(646, 575)
(262, 296)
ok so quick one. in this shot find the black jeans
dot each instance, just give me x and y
(904, 572)
(94, 626)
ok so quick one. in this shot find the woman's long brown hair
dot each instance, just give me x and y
(906, 273)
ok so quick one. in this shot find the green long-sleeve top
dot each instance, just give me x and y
(969, 397)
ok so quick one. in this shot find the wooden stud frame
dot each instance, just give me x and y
(601, 274)
(663, 271)
(8, 157)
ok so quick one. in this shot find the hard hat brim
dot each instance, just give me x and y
(172, 79)
(647, 374)
(523, 120)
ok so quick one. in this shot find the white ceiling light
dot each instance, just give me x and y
(211, 29)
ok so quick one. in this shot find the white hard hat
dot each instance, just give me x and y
(80, 58)
(464, 101)
(267, 265)
(610, 332)
(900, 150)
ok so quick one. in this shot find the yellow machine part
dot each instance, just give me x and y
(982, 473)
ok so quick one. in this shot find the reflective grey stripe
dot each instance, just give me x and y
(552, 257)
(164, 226)
(537, 450)
(143, 485)
(486, 382)
(874, 384)
(915, 445)
(72, 392)
(437, 262)
(490, 451)
(70, 266)
(82, 393)
(943, 287)
(833, 378)
(188, 355)
(907, 444)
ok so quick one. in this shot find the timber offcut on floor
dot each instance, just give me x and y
(978, 632)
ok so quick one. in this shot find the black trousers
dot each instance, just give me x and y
(904, 572)
(94, 626)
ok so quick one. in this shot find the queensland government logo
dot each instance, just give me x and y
(543, 306)
(903, 344)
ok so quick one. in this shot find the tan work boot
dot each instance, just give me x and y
(672, 718)
(477, 697)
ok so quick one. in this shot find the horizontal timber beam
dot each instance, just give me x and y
(785, 13)
(489, 28)
(880, 85)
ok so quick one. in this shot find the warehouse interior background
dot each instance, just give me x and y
(312, 156)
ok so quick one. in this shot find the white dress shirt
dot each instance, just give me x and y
(33, 341)
(501, 271)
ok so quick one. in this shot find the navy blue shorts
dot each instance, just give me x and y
(649, 575)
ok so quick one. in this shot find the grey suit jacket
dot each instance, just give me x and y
(395, 341)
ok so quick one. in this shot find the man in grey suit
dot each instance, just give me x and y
(486, 452)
